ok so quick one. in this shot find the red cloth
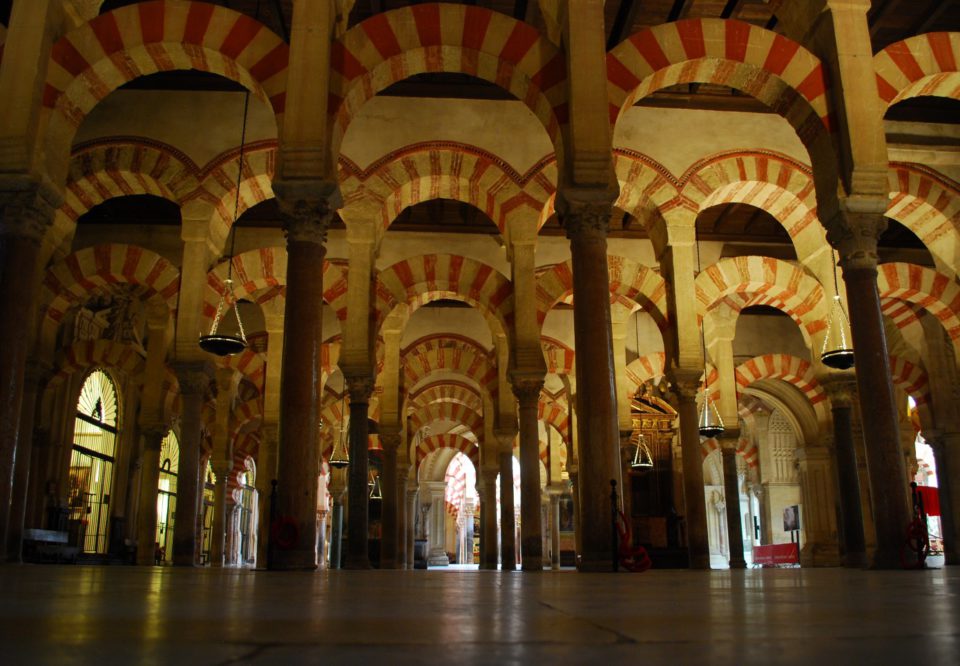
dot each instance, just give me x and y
(931, 499)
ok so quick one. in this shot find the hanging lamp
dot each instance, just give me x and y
(376, 493)
(642, 459)
(340, 457)
(216, 341)
(709, 424)
(836, 352)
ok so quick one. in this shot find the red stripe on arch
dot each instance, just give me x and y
(272, 63)
(900, 55)
(427, 19)
(380, 32)
(942, 50)
(475, 24)
(198, 20)
(345, 63)
(107, 32)
(66, 55)
(151, 21)
(648, 47)
(691, 36)
(885, 89)
(737, 39)
(781, 53)
(244, 31)
(521, 40)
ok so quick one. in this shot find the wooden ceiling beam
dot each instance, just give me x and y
(931, 19)
(877, 19)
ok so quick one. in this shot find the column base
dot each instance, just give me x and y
(438, 559)
(739, 564)
(883, 560)
(536, 565)
(294, 560)
(854, 561)
(699, 561)
(595, 564)
(819, 555)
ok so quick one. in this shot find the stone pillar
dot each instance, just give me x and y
(338, 486)
(508, 525)
(389, 547)
(857, 242)
(687, 383)
(527, 390)
(149, 487)
(586, 224)
(306, 218)
(555, 530)
(946, 454)
(488, 519)
(194, 384)
(841, 390)
(218, 530)
(731, 491)
(412, 508)
(26, 211)
(403, 516)
(35, 377)
(358, 492)
(437, 521)
(266, 474)
(816, 485)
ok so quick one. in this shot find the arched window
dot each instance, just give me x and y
(167, 494)
(91, 462)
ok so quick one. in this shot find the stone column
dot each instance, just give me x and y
(403, 473)
(266, 474)
(816, 484)
(555, 530)
(857, 242)
(358, 492)
(218, 530)
(149, 487)
(37, 373)
(731, 491)
(26, 211)
(338, 486)
(508, 525)
(527, 390)
(194, 384)
(586, 223)
(488, 519)
(841, 390)
(389, 547)
(687, 383)
(437, 520)
(412, 508)
(946, 454)
(307, 216)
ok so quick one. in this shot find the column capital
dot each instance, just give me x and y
(841, 388)
(153, 434)
(308, 208)
(855, 230)
(390, 439)
(194, 378)
(585, 212)
(27, 208)
(526, 387)
(360, 388)
(686, 383)
(729, 440)
(505, 437)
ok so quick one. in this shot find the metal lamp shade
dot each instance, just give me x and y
(710, 424)
(837, 351)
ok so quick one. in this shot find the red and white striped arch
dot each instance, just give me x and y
(81, 356)
(218, 184)
(920, 287)
(448, 411)
(559, 357)
(433, 37)
(770, 67)
(244, 414)
(420, 280)
(769, 181)
(449, 353)
(746, 448)
(754, 280)
(448, 170)
(78, 276)
(90, 62)
(910, 376)
(448, 441)
(447, 391)
(554, 413)
(630, 283)
(791, 369)
(117, 168)
(252, 365)
(644, 183)
(644, 368)
(928, 204)
(924, 65)
(261, 275)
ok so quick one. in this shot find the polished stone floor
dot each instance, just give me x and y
(113, 615)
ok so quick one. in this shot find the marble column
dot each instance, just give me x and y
(857, 244)
(946, 455)
(412, 508)
(488, 519)
(816, 484)
(731, 491)
(389, 547)
(686, 384)
(149, 488)
(194, 385)
(841, 390)
(306, 219)
(26, 211)
(403, 516)
(358, 492)
(527, 390)
(338, 487)
(437, 520)
(586, 222)
(218, 530)
(266, 474)
(37, 373)
(508, 525)
(555, 530)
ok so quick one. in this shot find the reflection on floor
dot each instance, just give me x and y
(66, 615)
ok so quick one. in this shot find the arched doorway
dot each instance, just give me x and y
(91, 463)
(167, 495)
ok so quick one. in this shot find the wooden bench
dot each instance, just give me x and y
(48, 546)
(776, 554)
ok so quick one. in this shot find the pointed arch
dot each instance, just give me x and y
(451, 353)
(923, 288)
(921, 65)
(218, 181)
(447, 391)
(644, 183)
(448, 441)
(791, 369)
(81, 356)
(448, 411)
(93, 60)
(928, 204)
(644, 368)
(394, 45)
